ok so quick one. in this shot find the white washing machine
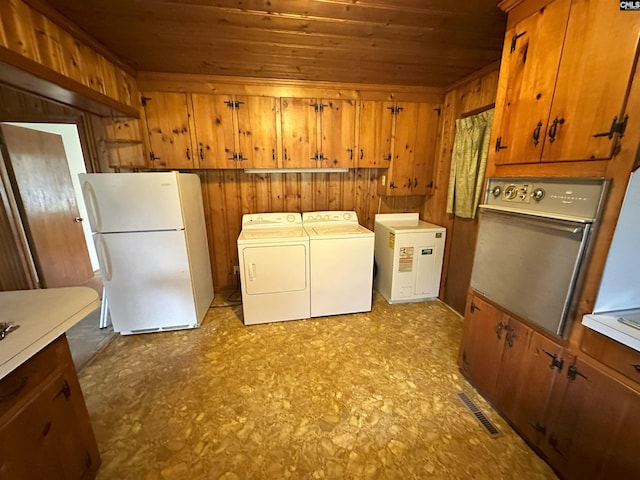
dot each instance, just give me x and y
(273, 251)
(409, 255)
(341, 263)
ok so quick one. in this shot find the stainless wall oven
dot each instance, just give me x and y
(533, 238)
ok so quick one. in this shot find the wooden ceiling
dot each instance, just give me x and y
(403, 42)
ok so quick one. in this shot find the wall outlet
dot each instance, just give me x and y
(236, 270)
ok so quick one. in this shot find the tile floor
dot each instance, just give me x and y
(366, 396)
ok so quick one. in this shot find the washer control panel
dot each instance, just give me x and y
(329, 216)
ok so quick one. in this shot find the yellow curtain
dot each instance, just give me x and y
(468, 164)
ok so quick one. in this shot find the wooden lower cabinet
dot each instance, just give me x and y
(594, 426)
(582, 420)
(44, 424)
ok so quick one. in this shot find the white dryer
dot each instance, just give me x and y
(341, 253)
(409, 254)
(273, 251)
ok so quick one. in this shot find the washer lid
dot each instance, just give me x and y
(338, 230)
(257, 235)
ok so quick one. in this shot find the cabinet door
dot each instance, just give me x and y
(482, 345)
(526, 383)
(530, 59)
(299, 132)
(43, 440)
(167, 118)
(213, 119)
(374, 141)
(400, 179)
(591, 89)
(338, 134)
(590, 423)
(425, 151)
(256, 131)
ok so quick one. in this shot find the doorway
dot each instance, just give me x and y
(43, 161)
(76, 165)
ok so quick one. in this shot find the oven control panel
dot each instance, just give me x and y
(513, 192)
(578, 197)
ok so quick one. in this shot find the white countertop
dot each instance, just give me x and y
(607, 324)
(43, 315)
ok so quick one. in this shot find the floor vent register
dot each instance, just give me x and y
(479, 415)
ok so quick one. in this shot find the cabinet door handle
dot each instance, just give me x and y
(415, 182)
(499, 328)
(387, 157)
(514, 40)
(553, 129)
(201, 153)
(64, 390)
(538, 428)
(553, 441)
(637, 367)
(361, 153)
(285, 154)
(573, 373)
(273, 154)
(16, 390)
(536, 134)
(392, 185)
(350, 150)
(188, 152)
(556, 362)
(499, 145)
(511, 334)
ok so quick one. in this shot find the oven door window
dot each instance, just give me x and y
(529, 265)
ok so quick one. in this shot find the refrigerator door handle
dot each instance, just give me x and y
(104, 258)
(92, 205)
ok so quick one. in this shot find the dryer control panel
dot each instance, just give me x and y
(284, 219)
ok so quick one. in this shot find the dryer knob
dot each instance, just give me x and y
(291, 218)
(347, 216)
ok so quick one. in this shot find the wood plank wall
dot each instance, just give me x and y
(229, 194)
(44, 38)
(475, 92)
(232, 193)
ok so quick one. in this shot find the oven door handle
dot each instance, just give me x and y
(556, 224)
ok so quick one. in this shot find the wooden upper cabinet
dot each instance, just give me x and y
(299, 132)
(564, 83)
(530, 58)
(598, 59)
(375, 133)
(256, 132)
(338, 140)
(425, 151)
(413, 147)
(213, 120)
(167, 116)
(235, 132)
(318, 133)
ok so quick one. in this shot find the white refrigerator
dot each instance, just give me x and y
(151, 240)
